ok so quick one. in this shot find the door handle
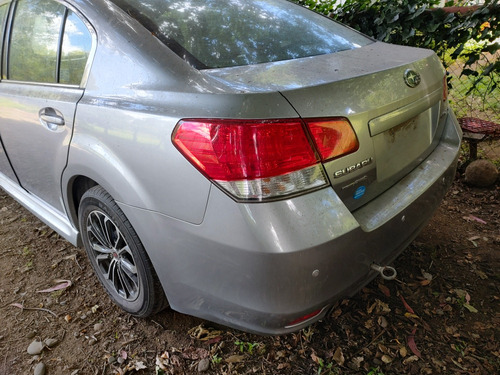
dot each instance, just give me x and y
(51, 118)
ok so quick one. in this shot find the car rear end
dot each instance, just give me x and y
(282, 261)
(300, 205)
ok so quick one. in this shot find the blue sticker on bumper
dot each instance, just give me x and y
(359, 192)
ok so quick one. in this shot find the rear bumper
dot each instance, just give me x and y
(259, 267)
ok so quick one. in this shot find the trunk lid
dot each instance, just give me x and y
(397, 125)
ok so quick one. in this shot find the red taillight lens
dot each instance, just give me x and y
(333, 137)
(304, 318)
(232, 150)
(260, 159)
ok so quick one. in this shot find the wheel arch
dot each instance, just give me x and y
(77, 187)
(88, 167)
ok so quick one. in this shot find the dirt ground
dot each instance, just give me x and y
(441, 316)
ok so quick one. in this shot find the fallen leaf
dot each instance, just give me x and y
(473, 240)
(427, 275)
(451, 330)
(203, 334)
(282, 366)
(369, 324)
(383, 348)
(338, 356)
(280, 354)
(467, 297)
(356, 362)
(407, 307)
(481, 274)
(384, 290)
(379, 307)
(162, 361)
(235, 359)
(473, 218)
(175, 360)
(471, 308)
(139, 365)
(382, 322)
(403, 352)
(315, 358)
(123, 354)
(195, 353)
(411, 359)
(336, 313)
(63, 285)
(387, 359)
(410, 315)
(460, 293)
(413, 345)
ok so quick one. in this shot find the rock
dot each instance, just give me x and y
(39, 369)
(111, 360)
(203, 365)
(31, 334)
(120, 360)
(481, 173)
(98, 327)
(51, 342)
(36, 347)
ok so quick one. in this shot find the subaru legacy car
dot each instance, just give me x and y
(248, 162)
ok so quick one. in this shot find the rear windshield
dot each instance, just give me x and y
(225, 33)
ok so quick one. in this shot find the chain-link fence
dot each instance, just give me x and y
(477, 101)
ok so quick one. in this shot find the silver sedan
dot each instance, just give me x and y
(248, 162)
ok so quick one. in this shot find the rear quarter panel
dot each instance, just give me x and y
(136, 93)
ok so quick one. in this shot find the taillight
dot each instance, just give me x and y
(259, 159)
(333, 137)
(306, 318)
(445, 87)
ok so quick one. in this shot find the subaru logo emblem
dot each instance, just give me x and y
(412, 78)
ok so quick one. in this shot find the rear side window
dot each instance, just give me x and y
(221, 33)
(75, 50)
(48, 44)
(3, 16)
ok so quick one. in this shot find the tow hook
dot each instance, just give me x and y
(387, 272)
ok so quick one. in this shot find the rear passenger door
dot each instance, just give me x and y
(5, 167)
(45, 61)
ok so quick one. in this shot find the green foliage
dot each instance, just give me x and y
(469, 35)
(249, 347)
(326, 368)
(216, 359)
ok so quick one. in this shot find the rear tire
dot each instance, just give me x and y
(118, 256)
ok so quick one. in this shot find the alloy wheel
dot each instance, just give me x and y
(112, 255)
